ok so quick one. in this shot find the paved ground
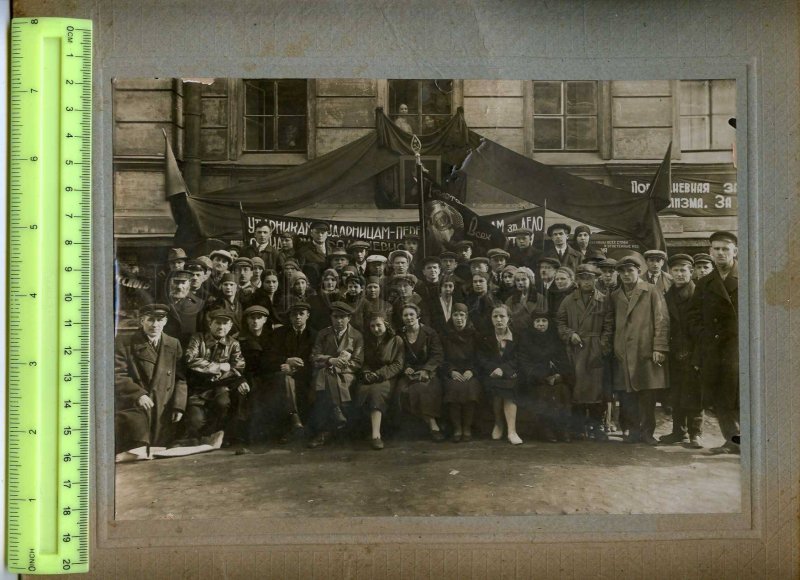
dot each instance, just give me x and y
(445, 479)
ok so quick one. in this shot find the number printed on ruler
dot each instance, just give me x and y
(49, 295)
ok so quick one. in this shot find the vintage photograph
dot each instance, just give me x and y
(425, 297)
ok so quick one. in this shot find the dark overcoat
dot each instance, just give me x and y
(684, 381)
(141, 370)
(714, 321)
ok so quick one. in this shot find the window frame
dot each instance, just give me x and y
(454, 93)
(563, 116)
(709, 85)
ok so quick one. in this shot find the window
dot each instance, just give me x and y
(420, 106)
(705, 107)
(565, 115)
(275, 115)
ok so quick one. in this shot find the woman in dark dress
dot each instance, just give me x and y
(480, 303)
(321, 302)
(383, 363)
(460, 373)
(499, 357)
(525, 298)
(419, 386)
(506, 287)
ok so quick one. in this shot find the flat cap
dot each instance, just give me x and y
(227, 277)
(702, 257)
(340, 307)
(358, 245)
(243, 261)
(681, 259)
(196, 266)
(404, 279)
(258, 262)
(205, 261)
(463, 244)
(607, 263)
(582, 229)
(587, 269)
(376, 258)
(559, 226)
(724, 237)
(630, 260)
(300, 305)
(319, 226)
(522, 232)
(431, 260)
(255, 309)
(479, 260)
(448, 255)
(220, 313)
(659, 254)
(180, 275)
(154, 309)
(497, 253)
(405, 253)
(338, 253)
(222, 254)
(554, 262)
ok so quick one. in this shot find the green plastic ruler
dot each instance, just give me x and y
(49, 302)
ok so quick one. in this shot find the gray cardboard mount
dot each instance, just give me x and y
(754, 42)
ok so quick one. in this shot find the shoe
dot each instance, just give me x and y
(630, 438)
(318, 441)
(437, 435)
(695, 442)
(514, 439)
(457, 438)
(497, 433)
(377, 443)
(649, 440)
(673, 438)
(728, 448)
(466, 437)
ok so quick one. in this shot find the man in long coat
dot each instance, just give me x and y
(560, 250)
(641, 341)
(586, 325)
(684, 384)
(337, 356)
(149, 383)
(714, 318)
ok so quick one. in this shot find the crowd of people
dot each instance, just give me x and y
(274, 343)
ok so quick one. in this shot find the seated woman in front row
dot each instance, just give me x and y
(460, 372)
(499, 356)
(383, 363)
(419, 388)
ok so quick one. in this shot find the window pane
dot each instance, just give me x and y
(436, 96)
(723, 97)
(722, 134)
(292, 97)
(694, 133)
(258, 97)
(258, 133)
(694, 98)
(547, 98)
(581, 133)
(291, 133)
(581, 98)
(547, 133)
(403, 92)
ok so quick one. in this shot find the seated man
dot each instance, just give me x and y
(149, 385)
(214, 365)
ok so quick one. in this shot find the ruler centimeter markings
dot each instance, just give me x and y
(49, 300)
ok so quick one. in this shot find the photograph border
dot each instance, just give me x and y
(761, 54)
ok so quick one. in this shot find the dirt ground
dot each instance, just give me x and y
(419, 477)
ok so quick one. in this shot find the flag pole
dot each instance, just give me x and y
(416, 147)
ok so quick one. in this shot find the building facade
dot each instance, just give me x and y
(229, 131)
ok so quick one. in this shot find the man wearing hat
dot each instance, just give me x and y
(523, 253)
(655, 270)
(338, 259)
(184, 307)
(586, 325)
(641, 341)
(449, 264)
(200, 271)
(546, 285)
(498, 258)
(560, 250)
(288, 366)
(313, 255)
(428, 286)
(261, 246)
(256, 341)
(714, 318)
(402, 293)
(703, 265)
(687, 408)
(221, 261)
(215, 367)
(358, 250)
(149, 383)
(176, 259)
(243, 272)
(411, 244)
(607, 282)
(463, 250)
(582, 236)
(375, 265)
(337, 356)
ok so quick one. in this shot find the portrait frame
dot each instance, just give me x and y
(753, 44)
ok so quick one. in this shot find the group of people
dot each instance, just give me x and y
(267, 343)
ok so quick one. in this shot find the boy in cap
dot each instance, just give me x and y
(714, 318)
(227, 300)
(358, 250)
(607, 282)
(687, 408)
(221, 261)
(655, 270)
(523, 253)
(184, 307)
(641, 341)
(703, 265)
(214, 365)
(149, 384)
(337, 356)
(313, 256)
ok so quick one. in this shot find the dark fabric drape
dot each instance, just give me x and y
(626, 214)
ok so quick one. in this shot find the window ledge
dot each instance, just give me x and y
(272, 158)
